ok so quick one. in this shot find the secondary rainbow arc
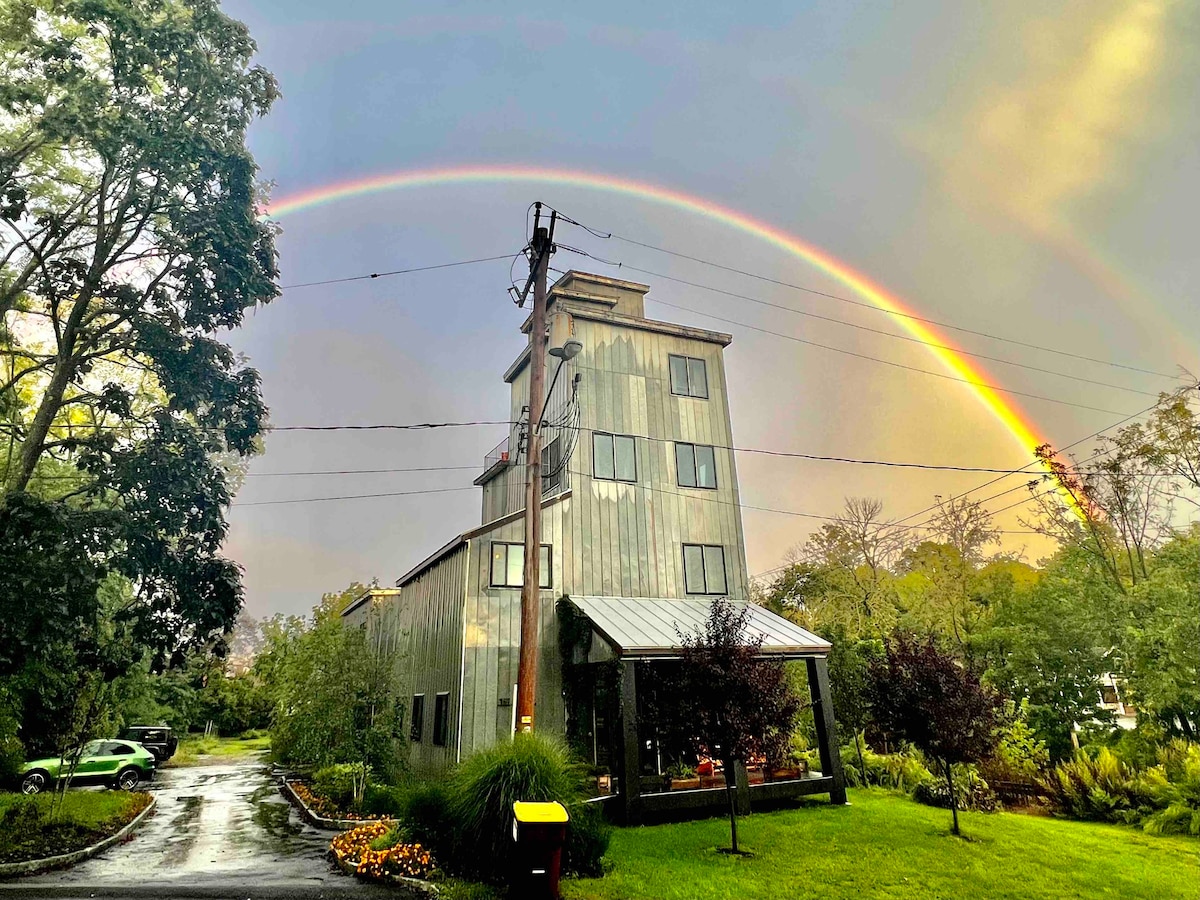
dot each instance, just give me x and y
(1004, 409)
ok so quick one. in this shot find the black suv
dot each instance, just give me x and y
(158, 739)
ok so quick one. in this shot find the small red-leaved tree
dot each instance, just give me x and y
(925, 696)
(727, 701)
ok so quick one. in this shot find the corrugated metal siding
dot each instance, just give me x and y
(424, 625)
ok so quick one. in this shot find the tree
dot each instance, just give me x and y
(965, 525)
(923, 695)
(849, 670)
(726, 700)
(339, 695)
(129, 235)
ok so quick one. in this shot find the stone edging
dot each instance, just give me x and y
(34, 866)
(311, 817)
(415, 887)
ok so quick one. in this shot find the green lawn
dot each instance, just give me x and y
(28, 832)
(197, 750)
(885, 845)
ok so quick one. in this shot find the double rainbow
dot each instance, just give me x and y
(1005, 410)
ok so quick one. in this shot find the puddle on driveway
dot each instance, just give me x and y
(213, 823)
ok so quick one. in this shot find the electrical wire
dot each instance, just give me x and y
(355, 496)
(605, 235)
(449, 265)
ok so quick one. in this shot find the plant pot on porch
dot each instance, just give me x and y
(685, 784)
(788, 773)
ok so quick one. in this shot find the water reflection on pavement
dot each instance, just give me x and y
(214, 825)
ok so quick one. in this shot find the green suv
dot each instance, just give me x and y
(119, 764)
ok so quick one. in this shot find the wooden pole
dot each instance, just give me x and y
(531, 596)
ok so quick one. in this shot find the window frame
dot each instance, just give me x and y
(553, 482)
(416, 729)
(441, 719)
(612, 437)
(545, 572)
(704, 570)
(696, 467)
(687, 368)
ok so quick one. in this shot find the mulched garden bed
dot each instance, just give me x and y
(27, 831)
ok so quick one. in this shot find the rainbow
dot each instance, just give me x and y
(1005, 410)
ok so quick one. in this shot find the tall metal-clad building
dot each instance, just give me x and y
(641, 528)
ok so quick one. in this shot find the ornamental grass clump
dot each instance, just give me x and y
(485, 786)
(1099, 788)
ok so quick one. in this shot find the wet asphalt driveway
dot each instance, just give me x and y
(218, 831)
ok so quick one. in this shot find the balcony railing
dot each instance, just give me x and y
(496, 460)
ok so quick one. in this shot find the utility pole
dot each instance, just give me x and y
(542, 246)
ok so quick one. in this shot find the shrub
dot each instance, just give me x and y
(425, 817)
(383, 800)
(397, 858)
(972, 792)
(338, 783)
(901, 771)
(1175, 785)
(1099, 788)
(485, 786)
(588, 835)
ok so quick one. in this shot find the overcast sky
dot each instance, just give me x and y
(1027, 170)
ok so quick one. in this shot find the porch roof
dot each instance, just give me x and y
(650, 627)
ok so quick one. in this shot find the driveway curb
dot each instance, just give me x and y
(414, 887)
(311, 817)
(46, 863)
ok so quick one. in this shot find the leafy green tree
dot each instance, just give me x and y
(1161, 643)
(129, 235)
(1050, 644)
(339, 695)
(850, 663)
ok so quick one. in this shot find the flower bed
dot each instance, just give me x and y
(354, 849)
(324, 807)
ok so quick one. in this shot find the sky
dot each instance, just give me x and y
(1029, 171)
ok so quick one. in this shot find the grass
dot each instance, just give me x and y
(198, 749)
(27, 831)
(885, 845)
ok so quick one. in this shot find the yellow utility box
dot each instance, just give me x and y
(539, 832)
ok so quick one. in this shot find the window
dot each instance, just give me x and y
(614, 457)
(112, 748)
(703, 569)
(441, 719)
(553, 469)
(689, 377)
(508, 565)
(1108, 694)
(418, 718)
(695, 466)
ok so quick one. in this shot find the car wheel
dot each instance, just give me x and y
(128, 779)
(34, 783)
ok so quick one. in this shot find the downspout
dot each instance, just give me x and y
(462, 653)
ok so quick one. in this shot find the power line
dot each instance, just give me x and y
(449, 265)
(858, 303)
(417, 426)
(356, 496)
(887, 362)
(890, 334)
(361, 471)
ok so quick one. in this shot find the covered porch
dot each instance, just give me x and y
(615, 651)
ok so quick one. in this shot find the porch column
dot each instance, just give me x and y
(629, 768)
(827, 742)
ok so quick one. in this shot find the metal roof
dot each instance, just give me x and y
(637, 626)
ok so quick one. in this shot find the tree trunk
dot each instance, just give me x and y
(35, 440)
(861, 763)
(953, 798)
(732, 807)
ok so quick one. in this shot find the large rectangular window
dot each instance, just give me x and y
(689, 376)
(508, 565)
(553, 469)
(695, 466)
(614, 457)
(441, 719)
(704, 569)
(418, 718)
